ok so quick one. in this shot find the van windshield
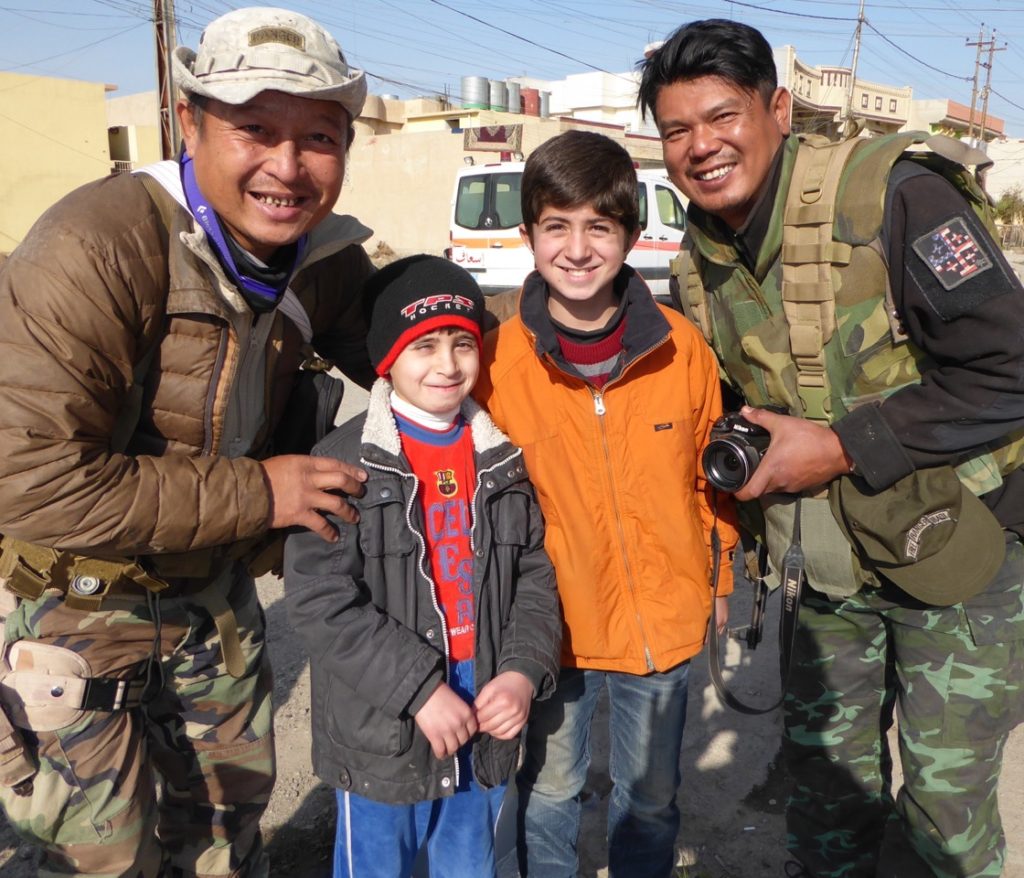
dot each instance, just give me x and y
(489, 201)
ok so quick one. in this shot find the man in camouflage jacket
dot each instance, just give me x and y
(926, 369)
(152, 327)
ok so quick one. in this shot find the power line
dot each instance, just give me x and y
(1005, 98)
(509, 33)
(68, 146)
(73, 51)
(61, 12)
(899, 48)
(787, 12)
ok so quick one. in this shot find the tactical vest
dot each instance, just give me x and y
(820, 334)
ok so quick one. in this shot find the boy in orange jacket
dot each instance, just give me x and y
(612, 398)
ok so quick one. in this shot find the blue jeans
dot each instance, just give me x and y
(376, 840)
(646, 719)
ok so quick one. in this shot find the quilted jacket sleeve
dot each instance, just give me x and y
(81, 301)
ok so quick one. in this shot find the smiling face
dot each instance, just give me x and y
(719, 141)
(436, 371)
(271, 168)
(579, 252)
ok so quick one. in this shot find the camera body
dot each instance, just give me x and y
(735, 450)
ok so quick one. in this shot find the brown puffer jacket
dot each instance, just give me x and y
(108, 273)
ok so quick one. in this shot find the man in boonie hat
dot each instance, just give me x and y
(154, 325)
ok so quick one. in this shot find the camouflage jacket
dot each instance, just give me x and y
(924, 364)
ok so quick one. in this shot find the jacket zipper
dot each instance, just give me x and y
(211, 397)
(600, 409)
(422, 555)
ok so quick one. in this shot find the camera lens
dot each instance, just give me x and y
(729, 463)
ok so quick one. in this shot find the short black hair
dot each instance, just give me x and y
(712, 47)
(578, 168)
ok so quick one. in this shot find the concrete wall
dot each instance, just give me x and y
(401, 187)
(54, 140)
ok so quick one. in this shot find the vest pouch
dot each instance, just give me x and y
(18, 577)
(17, 764)
(772, 377)
(45, 687)
(831, 567)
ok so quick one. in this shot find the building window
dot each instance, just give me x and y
(892, 105)
(878, 102)
(864, 101)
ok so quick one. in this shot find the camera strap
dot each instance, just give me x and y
(793, 570)
(793, 577)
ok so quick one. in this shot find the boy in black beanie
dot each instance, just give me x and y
(433, 622)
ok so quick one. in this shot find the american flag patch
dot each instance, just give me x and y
(952, 253)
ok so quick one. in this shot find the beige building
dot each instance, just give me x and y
(55, 139)
(401, 171)
(954, 119)
(133, 130)
(821, 96)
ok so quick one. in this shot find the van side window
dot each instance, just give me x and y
(670, 209)
(641, 196)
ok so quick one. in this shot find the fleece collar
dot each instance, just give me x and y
(381, 430)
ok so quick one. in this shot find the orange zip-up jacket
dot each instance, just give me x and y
(617, 472)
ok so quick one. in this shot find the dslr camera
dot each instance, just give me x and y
(735, 450)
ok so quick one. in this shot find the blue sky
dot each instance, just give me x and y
(412, 47)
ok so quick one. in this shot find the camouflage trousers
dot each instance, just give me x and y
(174, 787)
(954, 678)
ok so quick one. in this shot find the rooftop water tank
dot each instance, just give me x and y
(476, 93)
(514, 98)
(499, 95)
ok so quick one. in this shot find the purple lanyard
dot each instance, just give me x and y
(206, 216)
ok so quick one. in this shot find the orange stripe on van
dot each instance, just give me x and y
(662, 246)
(485, 243)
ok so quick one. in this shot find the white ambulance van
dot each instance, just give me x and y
(486, 214)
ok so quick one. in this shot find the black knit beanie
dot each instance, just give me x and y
(414, 296)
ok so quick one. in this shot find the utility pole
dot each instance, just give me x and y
(988, 82)
(163, 21)
(848, 111)
(981, 44)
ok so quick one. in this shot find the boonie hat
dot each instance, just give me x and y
(414, 296)
(261, 48)
(927, 533)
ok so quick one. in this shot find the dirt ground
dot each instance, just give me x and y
(731, 798)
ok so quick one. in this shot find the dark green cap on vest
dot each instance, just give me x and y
(927, 533)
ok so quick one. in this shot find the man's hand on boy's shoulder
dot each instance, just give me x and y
(503, 705)
(446, 720)
(303, 488)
